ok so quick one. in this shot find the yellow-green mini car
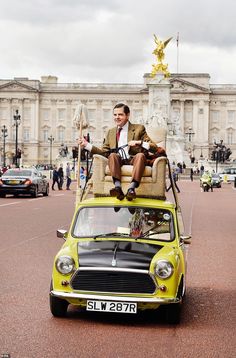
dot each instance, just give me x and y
(121, 256)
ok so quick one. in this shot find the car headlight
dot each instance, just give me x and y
(65, 264)
(164, 269)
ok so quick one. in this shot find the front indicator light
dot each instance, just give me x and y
(163, 288)
(65, 264)
(164, 269)
(28, 182)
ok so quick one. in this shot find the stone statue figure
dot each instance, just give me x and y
(63, 151)
(160, 55)
(176, 123)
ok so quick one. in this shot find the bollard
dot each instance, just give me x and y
(235, 181)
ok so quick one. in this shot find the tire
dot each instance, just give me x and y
(173, 313)
(173, 310)
(46, 193)
(58, 307)
(35, 193)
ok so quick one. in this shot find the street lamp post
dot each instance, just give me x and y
(51, 139)
(4, 133)
(16, 118)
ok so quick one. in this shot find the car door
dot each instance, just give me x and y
(39, 179)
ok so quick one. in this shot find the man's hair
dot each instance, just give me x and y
(122, 105)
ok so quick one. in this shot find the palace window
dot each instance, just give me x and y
(26, 134)
(61, 114)
(27, 114)
(107, 116)
(45, 114)
(45, 135)
(3, 113)
(215, 116)
(91, 114)
(230, 136)
(61, 134)
(137, 115)
(231, 117)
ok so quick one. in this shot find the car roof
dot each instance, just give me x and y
(140, 202)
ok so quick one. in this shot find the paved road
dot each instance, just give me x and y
(27, 247)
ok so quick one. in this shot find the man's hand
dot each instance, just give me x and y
(135, 143)
(82, 142)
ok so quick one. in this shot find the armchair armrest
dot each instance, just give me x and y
(99, 166)
(159, 170)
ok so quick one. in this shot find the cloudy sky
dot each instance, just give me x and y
(112, 41)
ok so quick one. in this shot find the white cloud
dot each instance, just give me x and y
(112, 41)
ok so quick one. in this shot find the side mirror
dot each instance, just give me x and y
(62, 234)
(185, 239)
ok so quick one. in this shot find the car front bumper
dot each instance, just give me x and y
(29, 189)
(81, 296)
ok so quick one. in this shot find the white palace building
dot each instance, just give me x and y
(200, 113)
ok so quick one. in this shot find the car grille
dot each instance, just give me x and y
(113, 281)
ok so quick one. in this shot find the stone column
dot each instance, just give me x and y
(159, 100)
(182, 116)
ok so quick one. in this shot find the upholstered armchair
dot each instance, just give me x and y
(153, 182)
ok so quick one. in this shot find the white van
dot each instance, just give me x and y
(228, 174)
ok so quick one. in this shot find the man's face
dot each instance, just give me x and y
(120, 117)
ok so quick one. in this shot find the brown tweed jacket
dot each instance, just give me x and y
(135, 132)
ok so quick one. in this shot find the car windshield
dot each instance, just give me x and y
(17, 173)
(155, 224)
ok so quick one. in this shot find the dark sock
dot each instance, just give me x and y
(134, 185)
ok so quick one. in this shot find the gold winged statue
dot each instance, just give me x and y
(160, 55)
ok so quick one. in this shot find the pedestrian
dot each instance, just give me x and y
(191, 174)
(134, 140)
(68, 176)
(61, 176)
(175, 178)
(55, 178)
(184, 167)
(202, 169)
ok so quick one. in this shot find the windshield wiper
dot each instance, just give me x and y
(116, 234)
(147, 233)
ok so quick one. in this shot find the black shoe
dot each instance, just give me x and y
(117, 193)
(130, 194)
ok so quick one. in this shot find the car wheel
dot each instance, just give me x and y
(46, 193)
(58, 306)
(173, 311)
(35, 193)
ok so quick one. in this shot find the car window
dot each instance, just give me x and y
(156, 224)
(18, 173)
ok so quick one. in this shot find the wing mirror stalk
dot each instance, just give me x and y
(62, 234)
(185, 239)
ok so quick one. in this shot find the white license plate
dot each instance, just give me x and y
(111, 306)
